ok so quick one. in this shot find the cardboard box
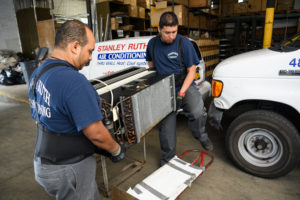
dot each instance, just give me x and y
(130, 2)
(199, 3)
(100, 1)
(141, 12)
(46, 33)
(133, 11)
(180, 11)
(181, 2)
(227, 9)
(144, 3)
(114, 23)
(263, 5)
(203, 21)
(254, 5)
(207, 42)
(240, 8)
(198, 21)
(191, 20)
(283, 5)
(127, 27)
(161, 4)
(212, 24)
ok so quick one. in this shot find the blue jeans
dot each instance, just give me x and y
(69, 182)
(195, 111)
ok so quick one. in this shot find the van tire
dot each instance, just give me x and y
(263, 143)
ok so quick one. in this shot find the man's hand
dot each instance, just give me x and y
(118, 155)
(179, 100)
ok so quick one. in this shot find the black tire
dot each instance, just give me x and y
(263, 143)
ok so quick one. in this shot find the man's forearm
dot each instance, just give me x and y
(100, 137)
(188, 79)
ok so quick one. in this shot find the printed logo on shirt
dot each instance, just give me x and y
(43, 110)
(172, 55)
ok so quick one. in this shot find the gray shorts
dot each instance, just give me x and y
(73, 181)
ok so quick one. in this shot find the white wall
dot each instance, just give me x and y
(9, 33)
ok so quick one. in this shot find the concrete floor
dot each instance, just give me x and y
(221, 181)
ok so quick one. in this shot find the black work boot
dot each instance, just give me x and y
(207, 145)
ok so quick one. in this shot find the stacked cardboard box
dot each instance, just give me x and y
(198, 21)
(46, 33)
(192, 22)
(207, 42)
(283, 5)
(212, 24)
(179, 10)
(126, 27)
(114, 23)
(182, 2)
(144, 3)
(161, 4)
(100, 1)
(130, 2)
(132, 11)
(254, 5)
(199, 3)
(141, 12)
(240, 8)
(259, 6)
(228, 7)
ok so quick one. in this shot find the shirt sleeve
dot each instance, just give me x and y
(190, 57)
(149, 50)
(83, 103)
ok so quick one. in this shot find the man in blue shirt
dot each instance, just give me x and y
(163, 54)
(68, 113)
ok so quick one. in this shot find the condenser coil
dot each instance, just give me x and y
(145, 98)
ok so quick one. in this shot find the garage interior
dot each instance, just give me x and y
(221, 28)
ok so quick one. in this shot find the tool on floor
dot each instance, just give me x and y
(170, 180)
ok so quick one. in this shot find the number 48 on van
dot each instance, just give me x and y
(294, 62)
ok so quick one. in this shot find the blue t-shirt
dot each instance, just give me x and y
(66, 100)
(166, 55)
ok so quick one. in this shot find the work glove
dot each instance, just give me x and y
(179, 100)
(119, 154)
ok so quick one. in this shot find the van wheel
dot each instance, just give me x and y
(263, 143)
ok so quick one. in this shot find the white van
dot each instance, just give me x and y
(115, 55)
(256, 100)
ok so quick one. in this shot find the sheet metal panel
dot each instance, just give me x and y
(152, 104)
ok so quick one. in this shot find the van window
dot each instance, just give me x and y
(294, 41)
(289, 45)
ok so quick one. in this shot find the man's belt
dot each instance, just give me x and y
(60, 148)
